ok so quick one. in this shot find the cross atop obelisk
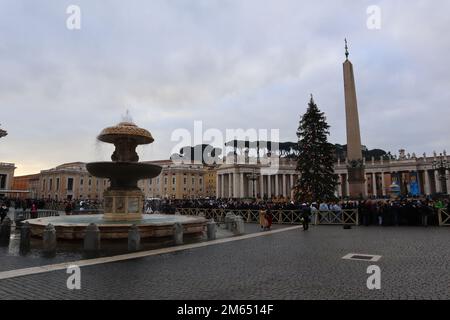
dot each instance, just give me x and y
(356, 178)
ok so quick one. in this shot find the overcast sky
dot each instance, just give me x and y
(230, 63)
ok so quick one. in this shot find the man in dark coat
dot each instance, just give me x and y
(305, 213)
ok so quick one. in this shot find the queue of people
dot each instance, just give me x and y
(382, 212)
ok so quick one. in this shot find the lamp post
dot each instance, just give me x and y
(3, 133)
(253, 177)
(442, 165)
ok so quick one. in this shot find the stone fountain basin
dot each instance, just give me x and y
(123, 170)
(150, 226)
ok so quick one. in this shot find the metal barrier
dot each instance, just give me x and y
(20, 215)
(444, 217)
(346, 216)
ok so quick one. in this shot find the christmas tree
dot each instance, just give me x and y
(315, 160)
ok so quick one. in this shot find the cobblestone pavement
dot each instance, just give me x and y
(67, 251)
(415, 264)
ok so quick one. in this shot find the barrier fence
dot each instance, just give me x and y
(444, 217)
(344, 217)
(20, 215)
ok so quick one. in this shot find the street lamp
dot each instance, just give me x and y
(442, 165)
(253, 177)
(3, 133)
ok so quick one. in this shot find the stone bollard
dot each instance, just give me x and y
(92, 238)
(25, 238)
(5, 231)
(229, 218)
(238, 225)
(178, 233)
(134, 238)
(49, 240)
(211, 229)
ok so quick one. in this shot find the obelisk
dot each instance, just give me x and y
(355, 164)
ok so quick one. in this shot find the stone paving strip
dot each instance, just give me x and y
(89, 262)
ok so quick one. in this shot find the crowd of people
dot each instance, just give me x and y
(383, 212)
(33, 205)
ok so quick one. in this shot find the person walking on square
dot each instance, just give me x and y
(3, 212)
(269, 218)
(262, 219)
(305, 213)
(33, 212)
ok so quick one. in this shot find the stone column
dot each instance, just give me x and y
(242, 185)
(269, 187)
(261, 186)
(347, 186)
(235, 186)
(437, 181)
(366, 187)
(447, 181)
(340, 186)
(230, 186)
(383, 186)
(222, 186)
(277, 191)
(427, 190)
(217, 187)
(284, 186)
(374, 183)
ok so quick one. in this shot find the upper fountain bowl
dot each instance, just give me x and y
(126, 130)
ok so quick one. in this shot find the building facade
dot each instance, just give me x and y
(6, 178)
(413, 175)
(70, 181)
(180, 181)
(28, 185)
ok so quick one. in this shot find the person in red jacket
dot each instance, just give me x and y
(33, 212)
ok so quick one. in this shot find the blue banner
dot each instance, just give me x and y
(414, 184)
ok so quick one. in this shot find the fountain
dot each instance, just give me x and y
(123, 200)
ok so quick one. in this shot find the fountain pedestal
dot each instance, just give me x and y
(123, 205)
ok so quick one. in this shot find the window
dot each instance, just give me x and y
(165, 180)
(81, 181)
(193, 180)
(173, 180)
(43, 184)
(69, 184)
(150, 182)
(50, 184)
(57, 184)
(184, 180)
(90, 182)
(3, 181)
